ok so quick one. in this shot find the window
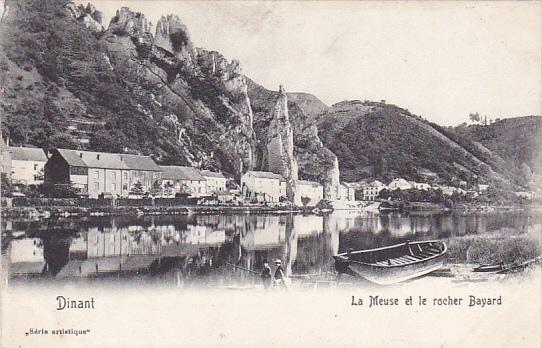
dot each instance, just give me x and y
(114, 187)
(96, 174)
(114, 175)
(126, 176)
(35, 167)
(96, 186)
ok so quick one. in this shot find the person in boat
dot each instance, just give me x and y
(279, 273)
(266, 275)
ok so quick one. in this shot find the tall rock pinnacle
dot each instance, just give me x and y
(172, 35)
(280, 145)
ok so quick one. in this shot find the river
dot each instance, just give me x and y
(218, 250)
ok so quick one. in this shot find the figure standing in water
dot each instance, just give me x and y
(266, 275)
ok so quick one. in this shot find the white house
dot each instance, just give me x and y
(341, 192)
(27, 165)
(449, 190)
(399, 183)
(216, 182)
(371, 190)
(308, 189)
(420, 185)
(266, 186)
(179, 179)
(348, 191)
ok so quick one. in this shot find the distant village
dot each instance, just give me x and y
(111, 175)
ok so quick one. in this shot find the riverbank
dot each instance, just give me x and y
(74, 211)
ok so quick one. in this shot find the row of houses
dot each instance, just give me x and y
(96, 173)
(371, 189)
(271, 187)
(123, 175)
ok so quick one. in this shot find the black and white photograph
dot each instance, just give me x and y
(271, 173)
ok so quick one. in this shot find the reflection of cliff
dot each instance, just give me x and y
(290, 247)
(56, 252)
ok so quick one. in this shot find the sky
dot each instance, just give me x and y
(440, 60)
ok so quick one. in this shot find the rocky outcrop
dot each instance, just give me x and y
(197, 95)
(89, 15)
(315, 161)
(172, 35)
(280, 145)
(212, 63)
(134, 24)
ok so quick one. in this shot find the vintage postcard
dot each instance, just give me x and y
(270, 174)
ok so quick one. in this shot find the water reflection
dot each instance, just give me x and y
(195, 250)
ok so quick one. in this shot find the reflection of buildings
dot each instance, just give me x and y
(26, 257)
(202, 235)
(264, 232)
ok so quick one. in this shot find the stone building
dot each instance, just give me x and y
(216, 182)
(399, 183)
(179, 179)
(371, 190)
(27, 165)
(95, 173)
(264, 186)
(311, 191)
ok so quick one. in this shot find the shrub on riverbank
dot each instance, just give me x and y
(489, 249)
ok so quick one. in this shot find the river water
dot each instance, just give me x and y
(221, 250)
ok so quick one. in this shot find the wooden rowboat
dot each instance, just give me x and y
(395, 263)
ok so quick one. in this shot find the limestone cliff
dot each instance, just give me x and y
(137, 88)
(315, 161)
(280, 145)
(202, 97)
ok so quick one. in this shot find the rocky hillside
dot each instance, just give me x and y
(72, 82)
(69, 80)
(517, 140)
(373, 139)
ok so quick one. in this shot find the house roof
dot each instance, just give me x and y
(93, 159)
(140, 162)
(210, 174)
(265, 175)
(27, 154)
(349, 184)
(181, 173)
(400, 181)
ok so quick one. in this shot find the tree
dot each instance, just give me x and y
(168, 188)
(5, 185)
(156, 188)
(137, 188)
(305, 201)
(474, 117)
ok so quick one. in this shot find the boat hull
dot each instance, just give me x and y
(391, 275)
(395, 263)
